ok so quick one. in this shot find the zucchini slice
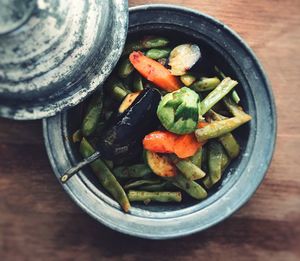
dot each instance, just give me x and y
(161, 165)
(129, 99)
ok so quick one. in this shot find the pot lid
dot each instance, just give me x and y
(54, 53)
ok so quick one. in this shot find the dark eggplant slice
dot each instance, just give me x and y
(123, 134)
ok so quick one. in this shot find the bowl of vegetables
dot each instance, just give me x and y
(179, 136)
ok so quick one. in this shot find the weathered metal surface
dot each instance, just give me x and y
(60, 55)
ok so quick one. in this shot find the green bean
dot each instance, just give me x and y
(137, 83)
(119, 93)
(133, 171)
(214, 164)
(222, 75)
(220, 128)
(109, 164)
(234, 94)
(92, 115)
(197, 158)
(161, 196)
(156, 54)
(117, 89)
(99, 128)
(205, 84)
(104, 175)
(217, 94)
(141, 182)
(165, 185)
(235, 97)
(233, 108)
(225, 161)
(190, 187)
(188, 169)
(125, 68)
(77, 136)
(228, 141)
(204, 159)
(145, 43)
(230, 144)
(188, 79)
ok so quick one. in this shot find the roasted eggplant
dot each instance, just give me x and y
(122, 136)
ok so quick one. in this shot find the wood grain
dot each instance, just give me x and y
(38, 221)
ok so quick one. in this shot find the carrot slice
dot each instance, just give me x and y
(160, 141)
(186, 145)
(202, 124)
(167, 142)
(154, 72)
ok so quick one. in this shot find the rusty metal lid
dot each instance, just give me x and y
(54, 53)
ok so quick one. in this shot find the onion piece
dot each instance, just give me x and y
(183, 57)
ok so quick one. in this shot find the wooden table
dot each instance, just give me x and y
(38, 221)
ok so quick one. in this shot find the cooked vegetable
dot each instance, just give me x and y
(196, 159)
(188, 79)
(133, 171)
(183, 57)
(205, 84)
(138, 183)
(160, 141)
(187, 168)
(137, 85)
(147, 197)
(186, 145)
(234, 109)
(235, 97)
(225, 161)
(230, 144)
(234, 94)
(160, 164)
(154, 72)
(129, 99)
(123, 134)
(156, 54)
(178, 111)
(228, 141)
(190, 187)
(202, 124)
(118, 91)
(104, 175)
(167, 142)
(204, 166)
(92, 115)
(125, 68)
(77, 136)
(215, 154)
(180, 127)
(146, 43)
(164, 185)
(219, 128)
(217, 94)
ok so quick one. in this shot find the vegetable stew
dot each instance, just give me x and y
(165, 130)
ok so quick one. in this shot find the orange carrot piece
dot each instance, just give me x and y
(160, 141)
(154, 72)
(186, 146)
(202, 124)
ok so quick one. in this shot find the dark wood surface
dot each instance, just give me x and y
(38, 221)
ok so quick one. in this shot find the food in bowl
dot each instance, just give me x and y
(164, 129)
